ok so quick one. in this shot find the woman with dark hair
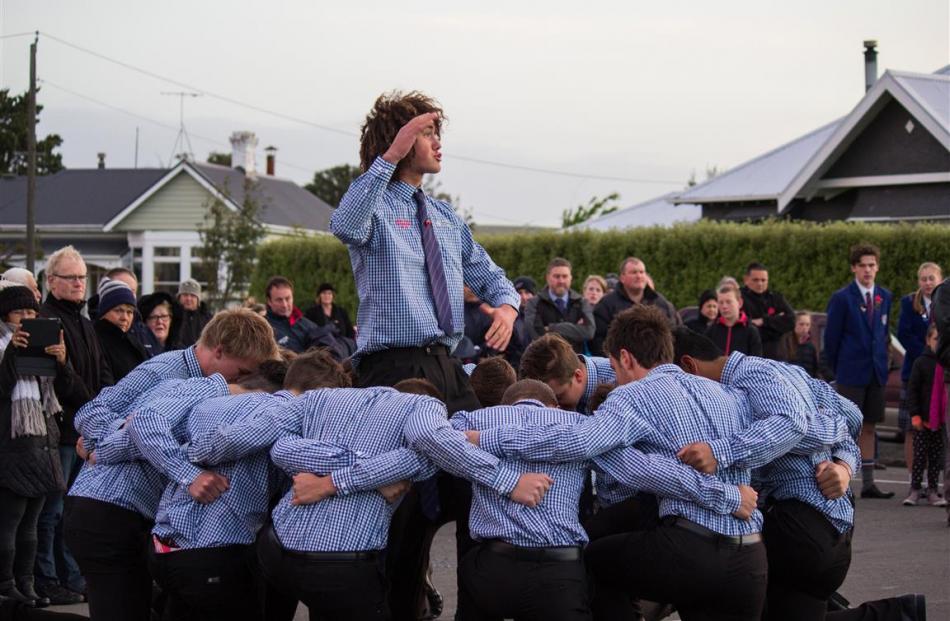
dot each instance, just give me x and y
(29, 445)
(162, 315)
(708, 312)
(325, 311)
(121, 350)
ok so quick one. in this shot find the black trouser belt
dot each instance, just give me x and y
(361, 555)
(702, 531)
(566, 553)
(432, 349)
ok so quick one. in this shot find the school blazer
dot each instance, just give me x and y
(856, 351)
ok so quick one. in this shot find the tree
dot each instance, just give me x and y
(13, 132)
(221, 159)
(595, 207)
(331, 184)
(229, 244)
(711, 171)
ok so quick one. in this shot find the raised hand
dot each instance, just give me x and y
(406, 137)
(59, 350)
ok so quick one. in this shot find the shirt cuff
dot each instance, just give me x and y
(342, 481)
(722, 451)
(731, 499)
(505, 480)
(382, 169)
(185, 473)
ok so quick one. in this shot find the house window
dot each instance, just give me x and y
(167, 268)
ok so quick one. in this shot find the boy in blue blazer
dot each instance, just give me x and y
(856, 339)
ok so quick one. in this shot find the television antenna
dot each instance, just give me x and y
(182, 148)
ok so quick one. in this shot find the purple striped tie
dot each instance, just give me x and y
(869, 308)
(430, 246)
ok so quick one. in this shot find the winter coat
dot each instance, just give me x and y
(776, 313)
(618, 301)
(192, 323)
(742, 336)
(576, 324)
(121, 350)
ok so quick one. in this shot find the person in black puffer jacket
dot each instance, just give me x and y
(121, 350)
(29, 440)
(733, 331)
(194, 312)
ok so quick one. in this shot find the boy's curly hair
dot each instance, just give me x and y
(390, 112)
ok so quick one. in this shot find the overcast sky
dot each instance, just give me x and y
(642, 92)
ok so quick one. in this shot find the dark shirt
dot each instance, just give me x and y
(742, 337)
(617, 301)
(122, 351)
(192, 323)
(301, 334)
(777, 315)
(338, 318)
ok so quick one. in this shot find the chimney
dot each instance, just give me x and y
(243, 149)
(870, 64)
(271, 159)
(102, 161)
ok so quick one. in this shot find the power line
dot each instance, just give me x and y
(335, 130)
(18, 34)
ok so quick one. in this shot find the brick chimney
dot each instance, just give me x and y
(271, 152)
(243, 152)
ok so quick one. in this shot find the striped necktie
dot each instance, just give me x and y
(434, 267)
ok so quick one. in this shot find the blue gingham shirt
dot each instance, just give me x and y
(554, 522)
(658, 414)
(369, 423)
(377, 220)
(599, 371)
(97, 418)
(136, 485)
(234, 517)
(785, 416)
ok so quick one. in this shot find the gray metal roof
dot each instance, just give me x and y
(764, 177)
(659, 211)
(76, 197)
(282, 202)
(91, 197)
(932, 92)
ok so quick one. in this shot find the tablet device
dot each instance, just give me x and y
(34, 360)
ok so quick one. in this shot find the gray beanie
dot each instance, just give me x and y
(191, 286)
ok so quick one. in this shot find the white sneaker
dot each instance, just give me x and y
(912, 498)
(935, 499)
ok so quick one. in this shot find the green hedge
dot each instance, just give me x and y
(806, 261)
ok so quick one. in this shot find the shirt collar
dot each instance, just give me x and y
(191, 362)
(530, 402)
(665, 369)
(864, 290)
(403, 190)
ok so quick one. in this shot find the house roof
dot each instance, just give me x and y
(781, 175)
(92, 198)
(656, 211)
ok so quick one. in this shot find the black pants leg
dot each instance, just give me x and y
(703, 578)
(808, 561)
(640, 512)
(208, 584)
(410, 532)
(496, 587)
(109, 544)
(332, 590)
(18, 517)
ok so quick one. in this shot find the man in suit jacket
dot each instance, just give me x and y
(856, 339)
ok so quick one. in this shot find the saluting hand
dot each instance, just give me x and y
(406, 137)
(749, 501)
(833, 479)
(208, 486)
(699, 455)
(531, 488)
(499, 333)
(310, 488)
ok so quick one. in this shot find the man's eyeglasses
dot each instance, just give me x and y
(158, 318)
(71, 277)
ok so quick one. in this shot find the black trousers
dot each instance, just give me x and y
(508, 585)
(411, 532)
(639, 512)
(704, 578)
(333, 590)
(109, 544)
(808, 561)
(208, 584)
(18, 517)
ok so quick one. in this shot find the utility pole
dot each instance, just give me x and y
(31, 163)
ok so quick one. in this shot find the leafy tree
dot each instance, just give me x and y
(331, 184)
(221, 159)
(13, 133)
(595, 207)
(229, 244)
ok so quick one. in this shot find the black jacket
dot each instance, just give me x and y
(192, 323)
(84, 356)
(743, 337)
(477, 325)
(776, 313)
(920, 385)
(29, 465)
(617, 301)
(576, 324)
(338, 317)
(120, 350)
(147, 304)
(303, 334)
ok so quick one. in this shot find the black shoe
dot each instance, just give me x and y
(913, 607)
(58, 595)
(25, 585)
(8, 591)
(874, 492)
(879, 466)
(435, 601)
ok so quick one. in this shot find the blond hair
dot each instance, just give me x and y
(66, 252)
(918, 302)
(240, 333)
